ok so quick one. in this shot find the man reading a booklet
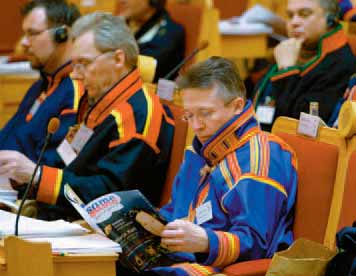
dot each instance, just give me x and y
(123, 135)
(234, 195)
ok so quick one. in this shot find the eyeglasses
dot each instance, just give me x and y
(82, 63)
(31, 33)
(202, 115)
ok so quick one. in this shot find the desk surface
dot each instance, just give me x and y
(19, 258)
(12, 90)
(244, 46)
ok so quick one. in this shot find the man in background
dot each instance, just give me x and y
(46, 26)
(313, 65)
(156, 33)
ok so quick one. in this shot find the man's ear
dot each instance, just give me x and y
(120, 59)
(238, 105)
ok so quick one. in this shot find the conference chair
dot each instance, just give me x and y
(200, 24)
(230, 8)
(177, 151)
(320, 179)
(347, 127)
(147, 67)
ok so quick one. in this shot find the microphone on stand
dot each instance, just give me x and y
(203, 45)
(165, 87)
(52, 127)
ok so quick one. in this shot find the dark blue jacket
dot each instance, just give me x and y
(56, 95)
(347, 10)
(163, 39)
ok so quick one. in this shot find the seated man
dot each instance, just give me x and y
(314, 65)
(125, 134)
(156, 34)
(234, 194)
(46, 27)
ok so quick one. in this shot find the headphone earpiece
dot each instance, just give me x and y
(60, 34)
(331, 20)
(153, 3)
(158, 4)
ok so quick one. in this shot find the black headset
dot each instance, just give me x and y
(158, 4)
(60, 34)
(332, 20)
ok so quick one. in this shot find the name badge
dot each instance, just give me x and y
(308, 124)
(81, 138)
(34, 108)
(66, 152)
(204, 213)
(265, 114)
(165, 89)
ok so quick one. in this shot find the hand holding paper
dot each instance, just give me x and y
(16, 166)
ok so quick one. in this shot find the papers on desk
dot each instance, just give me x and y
(17, 68)
(3, 59)
(259, 14)
(93, 243)
(29, 227)
(228, 27)
(257, 20)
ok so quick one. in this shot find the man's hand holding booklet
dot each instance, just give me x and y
(129, 219)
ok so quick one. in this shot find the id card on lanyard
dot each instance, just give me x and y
(68, 151)
(204, 213)
(36, 106)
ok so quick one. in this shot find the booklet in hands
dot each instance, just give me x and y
(129, 219)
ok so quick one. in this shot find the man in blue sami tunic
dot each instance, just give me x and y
(234, 194)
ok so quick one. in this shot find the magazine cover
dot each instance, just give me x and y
(129, 219)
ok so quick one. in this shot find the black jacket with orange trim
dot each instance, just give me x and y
(129, 149)
(323, 80)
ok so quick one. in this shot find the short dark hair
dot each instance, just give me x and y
(215, 72)
(158, 4)
(331, 7)
(58, 12)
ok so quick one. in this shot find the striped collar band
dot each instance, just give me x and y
(120, 92)
(229, 137)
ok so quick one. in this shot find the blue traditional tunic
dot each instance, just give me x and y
(347, 10)
(54, 95)
(250, 179)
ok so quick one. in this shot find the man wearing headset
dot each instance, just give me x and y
(313, 65)
(156, 34)
(46, 26)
